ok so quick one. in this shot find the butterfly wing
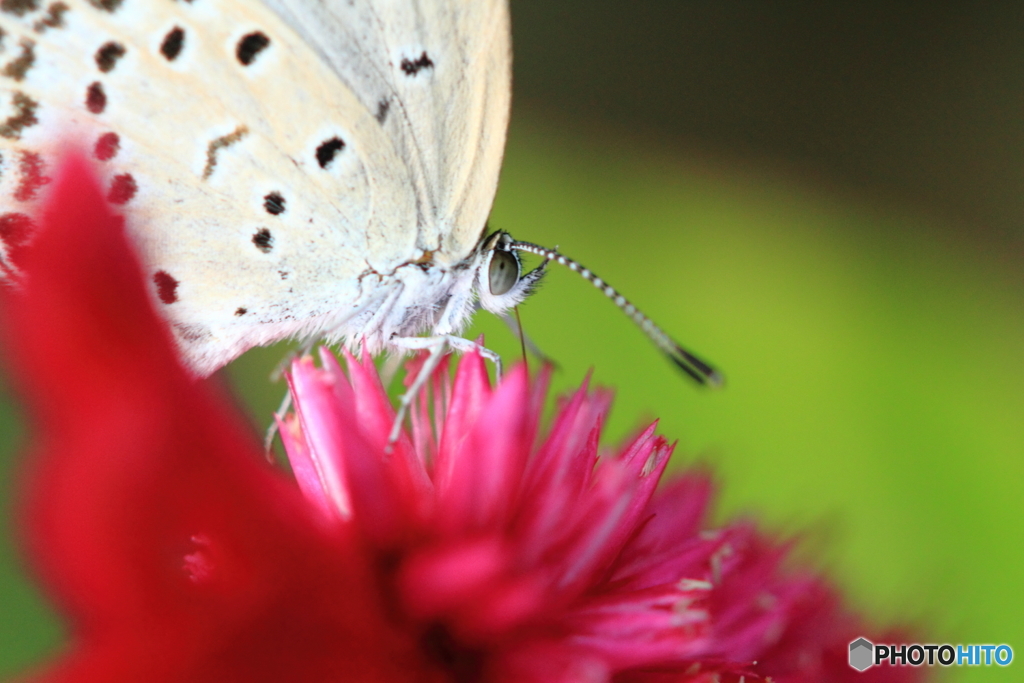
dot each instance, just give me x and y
(437, 75)
(268, 195)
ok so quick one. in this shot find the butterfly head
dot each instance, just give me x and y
(501, 283)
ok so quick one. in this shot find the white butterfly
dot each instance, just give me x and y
(296, 168)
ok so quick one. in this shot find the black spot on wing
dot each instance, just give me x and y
(106, 5)
(250, 46)
(170, 48)
(19, 8)
(240, 311)
(24, 116)
(107, 56)
(95, 98)
(327, 150)
(54, 17)
(263, 240)
(274, 203)
(19, 66)
(166, 286)
(411, 67)
(382, 110)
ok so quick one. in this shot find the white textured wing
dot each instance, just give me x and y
(262, 182)
(438, 77)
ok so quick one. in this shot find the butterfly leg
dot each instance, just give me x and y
(517, 330)
(464, 345)
(438, 345)
(282, 367)
(286, 403)
(268, 439)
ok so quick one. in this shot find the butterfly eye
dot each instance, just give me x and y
(504, 272)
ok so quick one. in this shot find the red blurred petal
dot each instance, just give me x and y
(135, 462)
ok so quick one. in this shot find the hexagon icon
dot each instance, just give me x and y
(861, 651)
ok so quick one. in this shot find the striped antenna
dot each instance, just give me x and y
(684, 360)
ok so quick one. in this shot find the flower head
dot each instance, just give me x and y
(514, 552)
(485, 546)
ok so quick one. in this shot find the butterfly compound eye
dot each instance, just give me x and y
(503, 273)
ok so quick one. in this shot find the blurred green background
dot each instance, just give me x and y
(827, 201)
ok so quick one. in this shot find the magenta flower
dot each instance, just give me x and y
(516, 553)
(485, 546)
